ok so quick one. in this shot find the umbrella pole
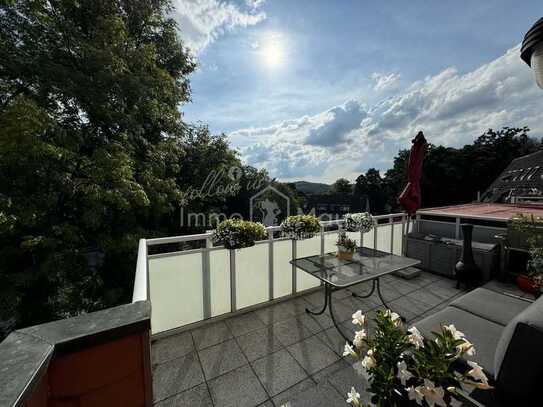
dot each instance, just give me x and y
(404, 245)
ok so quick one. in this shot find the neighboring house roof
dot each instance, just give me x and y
(484, 211)
(522, 178)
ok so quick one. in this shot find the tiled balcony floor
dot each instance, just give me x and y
(279, 355)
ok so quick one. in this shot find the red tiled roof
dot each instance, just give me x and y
(485, 210)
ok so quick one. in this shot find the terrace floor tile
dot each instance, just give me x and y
(259, 343)
(278, 371)
(238, 388)
(171, 347)
(291, 331)
(196, 397)
(322, 395)
(221, 358)
(243, 324)
(175, 376)
(210, 335)
(312, 354)
(283, 398)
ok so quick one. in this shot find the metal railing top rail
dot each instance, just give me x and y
(269, 229)
(141, 280)
(460, 216)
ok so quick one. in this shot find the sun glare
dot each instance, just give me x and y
(272, 53)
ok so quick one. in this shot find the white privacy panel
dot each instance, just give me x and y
(330, 240)
(304, 248)
(175, 284)
(252, 275)
(219, 276)
(282, 269)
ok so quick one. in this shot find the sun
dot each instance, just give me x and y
(272, 53)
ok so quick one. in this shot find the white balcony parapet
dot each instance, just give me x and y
(189, 286)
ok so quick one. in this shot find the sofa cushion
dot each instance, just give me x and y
(519, 354)
(491, 305)
(482, 333)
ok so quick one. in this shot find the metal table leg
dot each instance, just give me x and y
(376, 285)
(328, 304)
(324, 306)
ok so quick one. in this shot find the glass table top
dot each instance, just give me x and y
(365, 265)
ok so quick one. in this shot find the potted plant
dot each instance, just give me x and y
(403, 368)
(345, 246)
(237, 233)
(359, 222)
(524, 231)
(532, 282)
(300, 226)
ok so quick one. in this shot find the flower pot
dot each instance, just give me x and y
(344, 255)
(526, 284)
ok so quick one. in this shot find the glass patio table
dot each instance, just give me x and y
(337, 274)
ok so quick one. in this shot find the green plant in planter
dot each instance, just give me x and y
(525, 231)
(345, 246)
(535, 266)
(300, 226)
(401, 365)
(344, 243)
(237, 233)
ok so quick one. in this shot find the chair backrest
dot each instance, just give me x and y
(518, 361)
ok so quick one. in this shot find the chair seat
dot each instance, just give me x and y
(482, 333)
(491, 305)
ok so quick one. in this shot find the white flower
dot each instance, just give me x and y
(369, 361)
(477, 372)
(455, 333)
(433, 395)
(361, 370)
(455, 403)
(415, 393)
(415, 338)
(393, 317)
(348, 350)
(403, 374)
(359, 318)
(359, 337)
(466, 347)
(353, 397)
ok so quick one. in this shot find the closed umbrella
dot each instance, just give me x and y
(410, 198)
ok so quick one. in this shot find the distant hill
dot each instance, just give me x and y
(312, 188)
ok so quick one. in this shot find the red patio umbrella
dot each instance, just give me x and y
(410, 198)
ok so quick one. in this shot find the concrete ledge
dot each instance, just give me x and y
(26, 353)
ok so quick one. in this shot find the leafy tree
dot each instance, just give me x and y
(342, 186)
(92, 147)
(455, 175)
(370, 186)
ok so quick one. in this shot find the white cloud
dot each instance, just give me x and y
(203, 21)
(255, 3)
(452, 109)
(385, 81)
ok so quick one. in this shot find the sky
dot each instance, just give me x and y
(316, 90)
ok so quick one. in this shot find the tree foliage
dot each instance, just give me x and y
(94, 153)
(450, 175)
(342, 186)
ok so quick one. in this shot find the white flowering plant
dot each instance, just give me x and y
(359, 222)
(402, 366)
(237, 233)
(300, 226)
